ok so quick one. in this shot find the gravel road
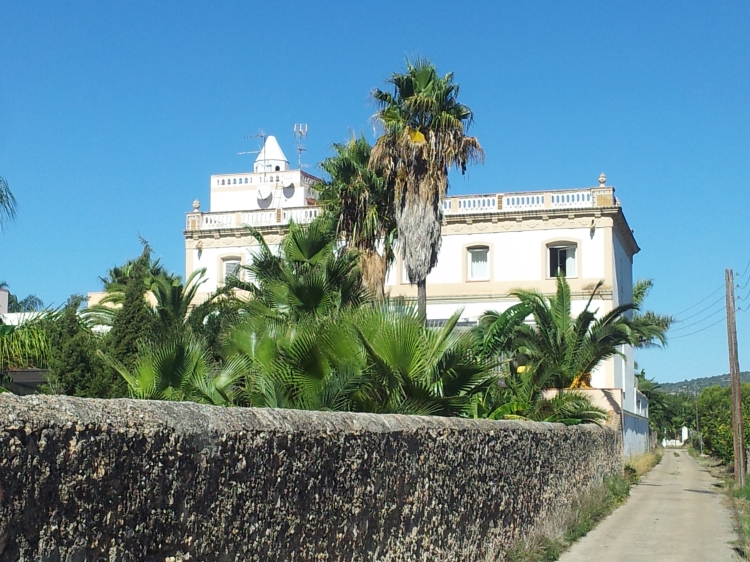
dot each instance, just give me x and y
(674, 513)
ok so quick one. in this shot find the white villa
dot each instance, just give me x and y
(492, 244)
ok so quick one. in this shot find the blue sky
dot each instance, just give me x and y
(113, 116)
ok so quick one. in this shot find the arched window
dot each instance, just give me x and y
(478, 265)
(278, 169)
(222, 182)
(234, 180)
(245, 180)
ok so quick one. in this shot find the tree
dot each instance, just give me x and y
(653, 327)
(424, 134)
(174, 303)
(360, 202)
(524, 398)
(73, 366)
(180, 369)
(7, 203)
(560, 349)
(30, 303)
(133, 324)
(308, 277)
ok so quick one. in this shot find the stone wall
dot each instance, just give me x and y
(139, 481)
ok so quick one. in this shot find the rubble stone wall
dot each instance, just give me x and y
(125, 480)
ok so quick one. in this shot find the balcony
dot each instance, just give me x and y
(498, 203)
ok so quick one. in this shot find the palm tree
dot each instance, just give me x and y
(560, 349)
(308, 277)
(653, 327)
(174, 302)
(524, 398)
(181, 369)
(413, 369)
(424, 135)
(360, 202)
(7, 203)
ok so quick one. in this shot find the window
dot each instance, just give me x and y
(231, 268)
(479, 264)
(562, 260)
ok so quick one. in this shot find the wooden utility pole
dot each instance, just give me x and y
(734, 373)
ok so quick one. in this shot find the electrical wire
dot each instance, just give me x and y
(746, 268)
(744, 298)
(698, 322)
(700, 301)
(745, 285)
(699, 331)
(721, 298)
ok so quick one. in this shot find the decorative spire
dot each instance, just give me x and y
(271, 157)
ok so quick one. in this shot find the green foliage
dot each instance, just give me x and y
(715, 418)
(26, 345)
(524, 398)
(667, 413)
(560, 349)
(360, 202)
(180, 369)
(134, 323)
(585, 512)
(73, 366)
(652, 327)
(7, 203)
(424, 134)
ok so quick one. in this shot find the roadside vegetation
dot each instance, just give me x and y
(585, 513)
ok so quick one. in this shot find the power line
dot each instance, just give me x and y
(745, 285)
(746, 268)
(700, 301)
(699, 331)
(702, 311)
(744, 298)
(699, 321)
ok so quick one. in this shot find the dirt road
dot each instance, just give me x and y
(674, 513)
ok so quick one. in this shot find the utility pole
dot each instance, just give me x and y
(734, 373)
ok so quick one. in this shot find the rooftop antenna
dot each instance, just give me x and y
(262, 136)
(300, 133)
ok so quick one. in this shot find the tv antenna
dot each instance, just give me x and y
(262, 136)
(300, 133)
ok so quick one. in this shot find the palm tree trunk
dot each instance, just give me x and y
(422, 300)
(373, 267)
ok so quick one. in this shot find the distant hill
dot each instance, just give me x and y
(701, 383)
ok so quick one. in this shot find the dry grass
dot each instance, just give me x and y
(639, 465)
(586, 511)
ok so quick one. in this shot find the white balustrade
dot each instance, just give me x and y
(476, 204)
(300, 215)
(213, 221)
(259, 218)
(571, 199)
(265, 217)
(523, 201)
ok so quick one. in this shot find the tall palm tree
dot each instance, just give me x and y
(360, 202)
(174, 301)
(560, 349)
(7, 203)
(424, 134)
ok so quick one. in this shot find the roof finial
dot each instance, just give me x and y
(196, 205)
(602, 179)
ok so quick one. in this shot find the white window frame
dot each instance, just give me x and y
(570, 269)
(224, 268)
(470, 252)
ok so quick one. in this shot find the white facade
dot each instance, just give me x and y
(491, 245)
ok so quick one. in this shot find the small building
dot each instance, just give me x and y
(492, 244)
